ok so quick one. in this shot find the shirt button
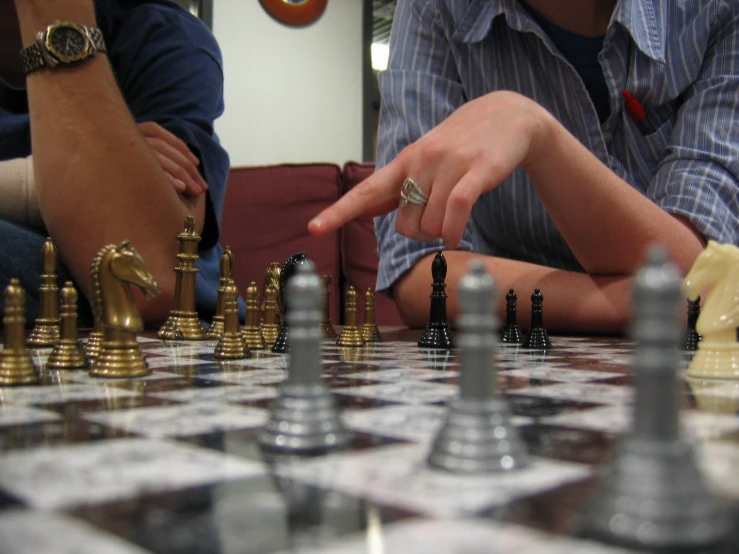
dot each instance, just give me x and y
(607, 137)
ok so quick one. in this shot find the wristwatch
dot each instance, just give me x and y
(62, 43)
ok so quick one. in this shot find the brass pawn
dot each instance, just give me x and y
(95, 341)
(16, 367)
(370, 332)
(46, 328)
(251, 332)
(270, 326)
(231, 346)
(68, 354)
(350, 335)
(215, 331)
(328, 329)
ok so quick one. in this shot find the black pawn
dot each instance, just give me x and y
(692, 338)
(511, 331)
(437, 333)
(289, 269)
(537, 338)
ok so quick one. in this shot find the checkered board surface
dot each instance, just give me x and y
(169, 463)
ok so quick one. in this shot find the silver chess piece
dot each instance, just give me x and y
(652, 495)
(477, 435)
(304, 418)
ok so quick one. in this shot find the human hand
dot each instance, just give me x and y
(176, 159)
(469, 153)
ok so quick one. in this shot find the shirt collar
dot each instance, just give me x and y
(643, 19)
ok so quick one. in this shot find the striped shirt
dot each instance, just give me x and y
(679, 58)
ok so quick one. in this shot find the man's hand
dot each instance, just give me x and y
(175, 157)
(470, 153)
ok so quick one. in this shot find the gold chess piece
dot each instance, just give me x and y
(231, 345)
(272, 277)
(46, 329)
(16, 367)
(252, 332)
(717, 356)
(350, 334)
(67, 353)
(183, 322)
(113, 271)
(326, 326)
(370, 332)
(270, 325)
(215, 331)
(95, 340)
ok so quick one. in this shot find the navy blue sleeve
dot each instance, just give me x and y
(170, 71)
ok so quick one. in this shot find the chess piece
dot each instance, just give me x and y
(272, 277)
(716, 267)
(652, 496)
(282, 344)
(67, 353)
(225, 265)
(113, 271)
(437, 333)
(537, 338)
(183, 322)
(231, 345)
(351, 335)
(328, 329)
(16, 367)
(252, 332)
(692, 338)
(304, 418)
(46, 329)
(477, 435)
(94, 341)
(511, 333)
(370, 332)
(270, 328)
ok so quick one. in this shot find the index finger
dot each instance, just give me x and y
(376, 195)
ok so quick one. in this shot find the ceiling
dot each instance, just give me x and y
(382, 20)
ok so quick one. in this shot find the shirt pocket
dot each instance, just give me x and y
(648, 149)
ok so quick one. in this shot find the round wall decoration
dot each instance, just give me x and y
(295, 13)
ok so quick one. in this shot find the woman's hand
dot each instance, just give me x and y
(469, 153)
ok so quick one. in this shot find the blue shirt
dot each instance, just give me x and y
(680, 59)
(170, 71)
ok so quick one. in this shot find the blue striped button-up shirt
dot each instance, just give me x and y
(679, 58)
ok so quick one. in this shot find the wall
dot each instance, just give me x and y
(292, 94)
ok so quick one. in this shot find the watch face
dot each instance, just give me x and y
(67, 42)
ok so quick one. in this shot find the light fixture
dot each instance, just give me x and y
(380, 54)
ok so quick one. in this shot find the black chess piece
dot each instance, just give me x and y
(511, 332)
(692, 338)
(289, 268)
(537, 339)
(437, 333)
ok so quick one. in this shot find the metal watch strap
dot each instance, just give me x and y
(32, 58)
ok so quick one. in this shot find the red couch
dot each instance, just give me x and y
(265, 219)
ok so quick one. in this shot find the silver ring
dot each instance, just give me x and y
(411, 193)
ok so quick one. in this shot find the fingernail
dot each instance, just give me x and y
(180, 184)
(315, 223)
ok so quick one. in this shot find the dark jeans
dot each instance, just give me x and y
(20, 257)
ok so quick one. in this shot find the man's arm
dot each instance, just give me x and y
(98, 180)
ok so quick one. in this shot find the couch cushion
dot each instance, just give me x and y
(359, 258)
(266, 215)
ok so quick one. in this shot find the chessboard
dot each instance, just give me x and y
(170, 463)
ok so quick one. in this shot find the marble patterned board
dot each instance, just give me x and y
(170, 463)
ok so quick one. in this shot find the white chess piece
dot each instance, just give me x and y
(716, 267)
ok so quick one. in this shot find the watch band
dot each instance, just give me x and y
(32, 56)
